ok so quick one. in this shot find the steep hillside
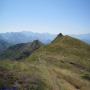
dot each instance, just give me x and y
(20, 51)
(62, 65)
(73, 50)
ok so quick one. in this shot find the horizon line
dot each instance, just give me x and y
(42, 32)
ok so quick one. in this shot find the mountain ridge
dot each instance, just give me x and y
(20, 51)
(56, 66)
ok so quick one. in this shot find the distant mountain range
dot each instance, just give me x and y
(24, 37)
(12, 38)
(83, 37)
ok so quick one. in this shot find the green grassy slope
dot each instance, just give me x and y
(62, 65)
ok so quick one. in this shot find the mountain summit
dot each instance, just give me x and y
(60, 35)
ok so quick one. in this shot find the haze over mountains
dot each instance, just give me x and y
(83, 37)
(12, 38)
(4, 45)
(23, 37)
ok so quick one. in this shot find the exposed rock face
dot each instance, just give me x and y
(60, 35)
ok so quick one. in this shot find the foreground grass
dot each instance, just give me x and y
(37, 73)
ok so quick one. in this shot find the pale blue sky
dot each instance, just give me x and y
(53, 16)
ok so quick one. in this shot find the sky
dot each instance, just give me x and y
(52, 16)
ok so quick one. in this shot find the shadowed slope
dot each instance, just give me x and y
(3, 45)
(20, 51)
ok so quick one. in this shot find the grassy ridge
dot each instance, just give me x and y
(62, 65)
